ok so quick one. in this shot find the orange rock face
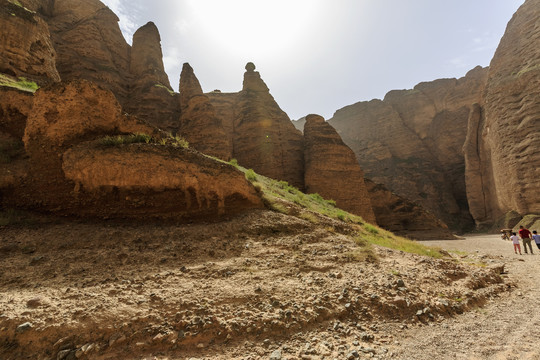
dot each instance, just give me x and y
(151, 97)
(503, 172)
(25, 45)
(199, 123)
(90, 45)
(263, 136)
(412, 142)
(72, 173)
(331, 169)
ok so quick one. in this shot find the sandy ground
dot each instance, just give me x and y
(505, 329)
(259, 286)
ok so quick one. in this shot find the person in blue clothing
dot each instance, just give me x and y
(536, 238)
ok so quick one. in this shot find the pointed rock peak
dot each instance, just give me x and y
(314, 118)
(252, 79)
(189, 84)
(150, 29)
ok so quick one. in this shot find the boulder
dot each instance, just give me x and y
(403, 217)
(331, 169)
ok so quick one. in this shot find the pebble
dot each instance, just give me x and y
(23, 327)
(276, 355)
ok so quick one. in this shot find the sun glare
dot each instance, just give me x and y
(255, 28)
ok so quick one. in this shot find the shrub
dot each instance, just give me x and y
(179, 141)
(234, 163)
(251, 175)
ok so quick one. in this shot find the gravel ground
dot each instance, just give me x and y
(505, 329)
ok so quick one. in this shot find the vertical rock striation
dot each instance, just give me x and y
(199, 123)
(412, 142)
(331, 169)
(264, 137)
(151, 96)
(509, 130)
(25, 44)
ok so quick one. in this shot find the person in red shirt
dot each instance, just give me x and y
(525, 236)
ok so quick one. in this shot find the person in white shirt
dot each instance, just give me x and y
(515, 241)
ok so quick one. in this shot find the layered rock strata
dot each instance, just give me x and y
(412, 142)
(72, 172)
(263, 136)
(404, 217)
(504, 147)
(331, 169)
(199, 123)
(25, 44)
(151, 96)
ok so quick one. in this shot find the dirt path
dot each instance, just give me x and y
(505, 329)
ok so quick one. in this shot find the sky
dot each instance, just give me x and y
(317, 56)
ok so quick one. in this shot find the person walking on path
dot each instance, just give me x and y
(515, 241)
(536, 238)
(525, 235)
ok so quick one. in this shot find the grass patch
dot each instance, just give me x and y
(158, 85)
(386, 239)
(251, 175)
(20, 83)
(175, 141)
(125, 139)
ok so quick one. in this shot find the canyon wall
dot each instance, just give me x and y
(331, 169)
(412, 142)
(503, 151)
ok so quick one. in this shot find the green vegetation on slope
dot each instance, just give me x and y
(276, 194)
(18, 83)
(176, 141)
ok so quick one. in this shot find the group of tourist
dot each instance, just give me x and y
(527, 238)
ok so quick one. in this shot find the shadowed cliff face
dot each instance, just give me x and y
(331, 169)
(412, 142)
(504, 150)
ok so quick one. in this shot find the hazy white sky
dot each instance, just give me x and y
(317, 56)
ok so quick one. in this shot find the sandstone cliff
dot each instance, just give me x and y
(403, 217)
(199, 123)
(263, 136)
(503, 151)
(331, 169)
(25, 44)
(71, 171)
(412, 142)
(90, 45)
(151, 96)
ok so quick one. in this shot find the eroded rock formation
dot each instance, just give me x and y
(199, 123)
(151, 96)
(331, 169)
(503, 151)
(90, 45)
(263, 136)
(404, 217)
(25, 44)
(71, 171)
(412, 142)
